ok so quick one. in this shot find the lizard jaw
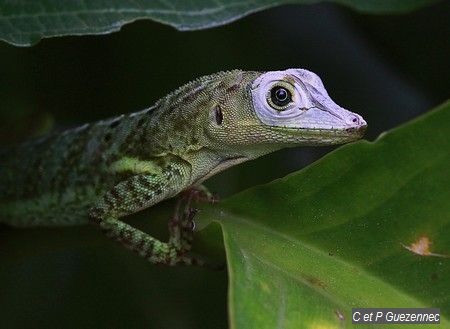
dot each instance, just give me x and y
(318, 136)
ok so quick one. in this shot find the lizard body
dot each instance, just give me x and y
(102, 171)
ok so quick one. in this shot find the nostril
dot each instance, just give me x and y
(354, 120)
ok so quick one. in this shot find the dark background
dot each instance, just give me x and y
(388, 68)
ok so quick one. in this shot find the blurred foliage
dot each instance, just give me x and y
(388, 68)
(24, 23)
(76, 278)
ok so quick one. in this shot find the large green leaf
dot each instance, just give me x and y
(305, 249)
(25, 22)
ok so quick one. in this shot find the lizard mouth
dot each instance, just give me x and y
(323, 135)
(357, 130)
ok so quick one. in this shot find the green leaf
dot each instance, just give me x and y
(305, 249)
(24, 23)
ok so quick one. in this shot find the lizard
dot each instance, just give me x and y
(100, 172)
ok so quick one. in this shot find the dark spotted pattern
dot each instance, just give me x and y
(66, 178)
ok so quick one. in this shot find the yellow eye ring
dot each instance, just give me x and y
(280, 95)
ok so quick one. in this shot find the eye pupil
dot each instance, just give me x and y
(280, 96)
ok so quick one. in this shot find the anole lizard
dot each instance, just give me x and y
(103, 171)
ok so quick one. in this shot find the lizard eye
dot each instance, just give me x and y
(279, 97)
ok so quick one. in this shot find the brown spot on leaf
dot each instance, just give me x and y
(339, 315)
(316, 282)
(422, 247)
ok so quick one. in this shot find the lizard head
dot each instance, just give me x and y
(294, 105)
(255, 113)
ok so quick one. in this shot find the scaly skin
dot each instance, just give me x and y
(103, 171)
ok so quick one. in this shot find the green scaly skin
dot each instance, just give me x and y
(102, 171)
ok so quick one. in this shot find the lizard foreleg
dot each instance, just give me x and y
(139, 192)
